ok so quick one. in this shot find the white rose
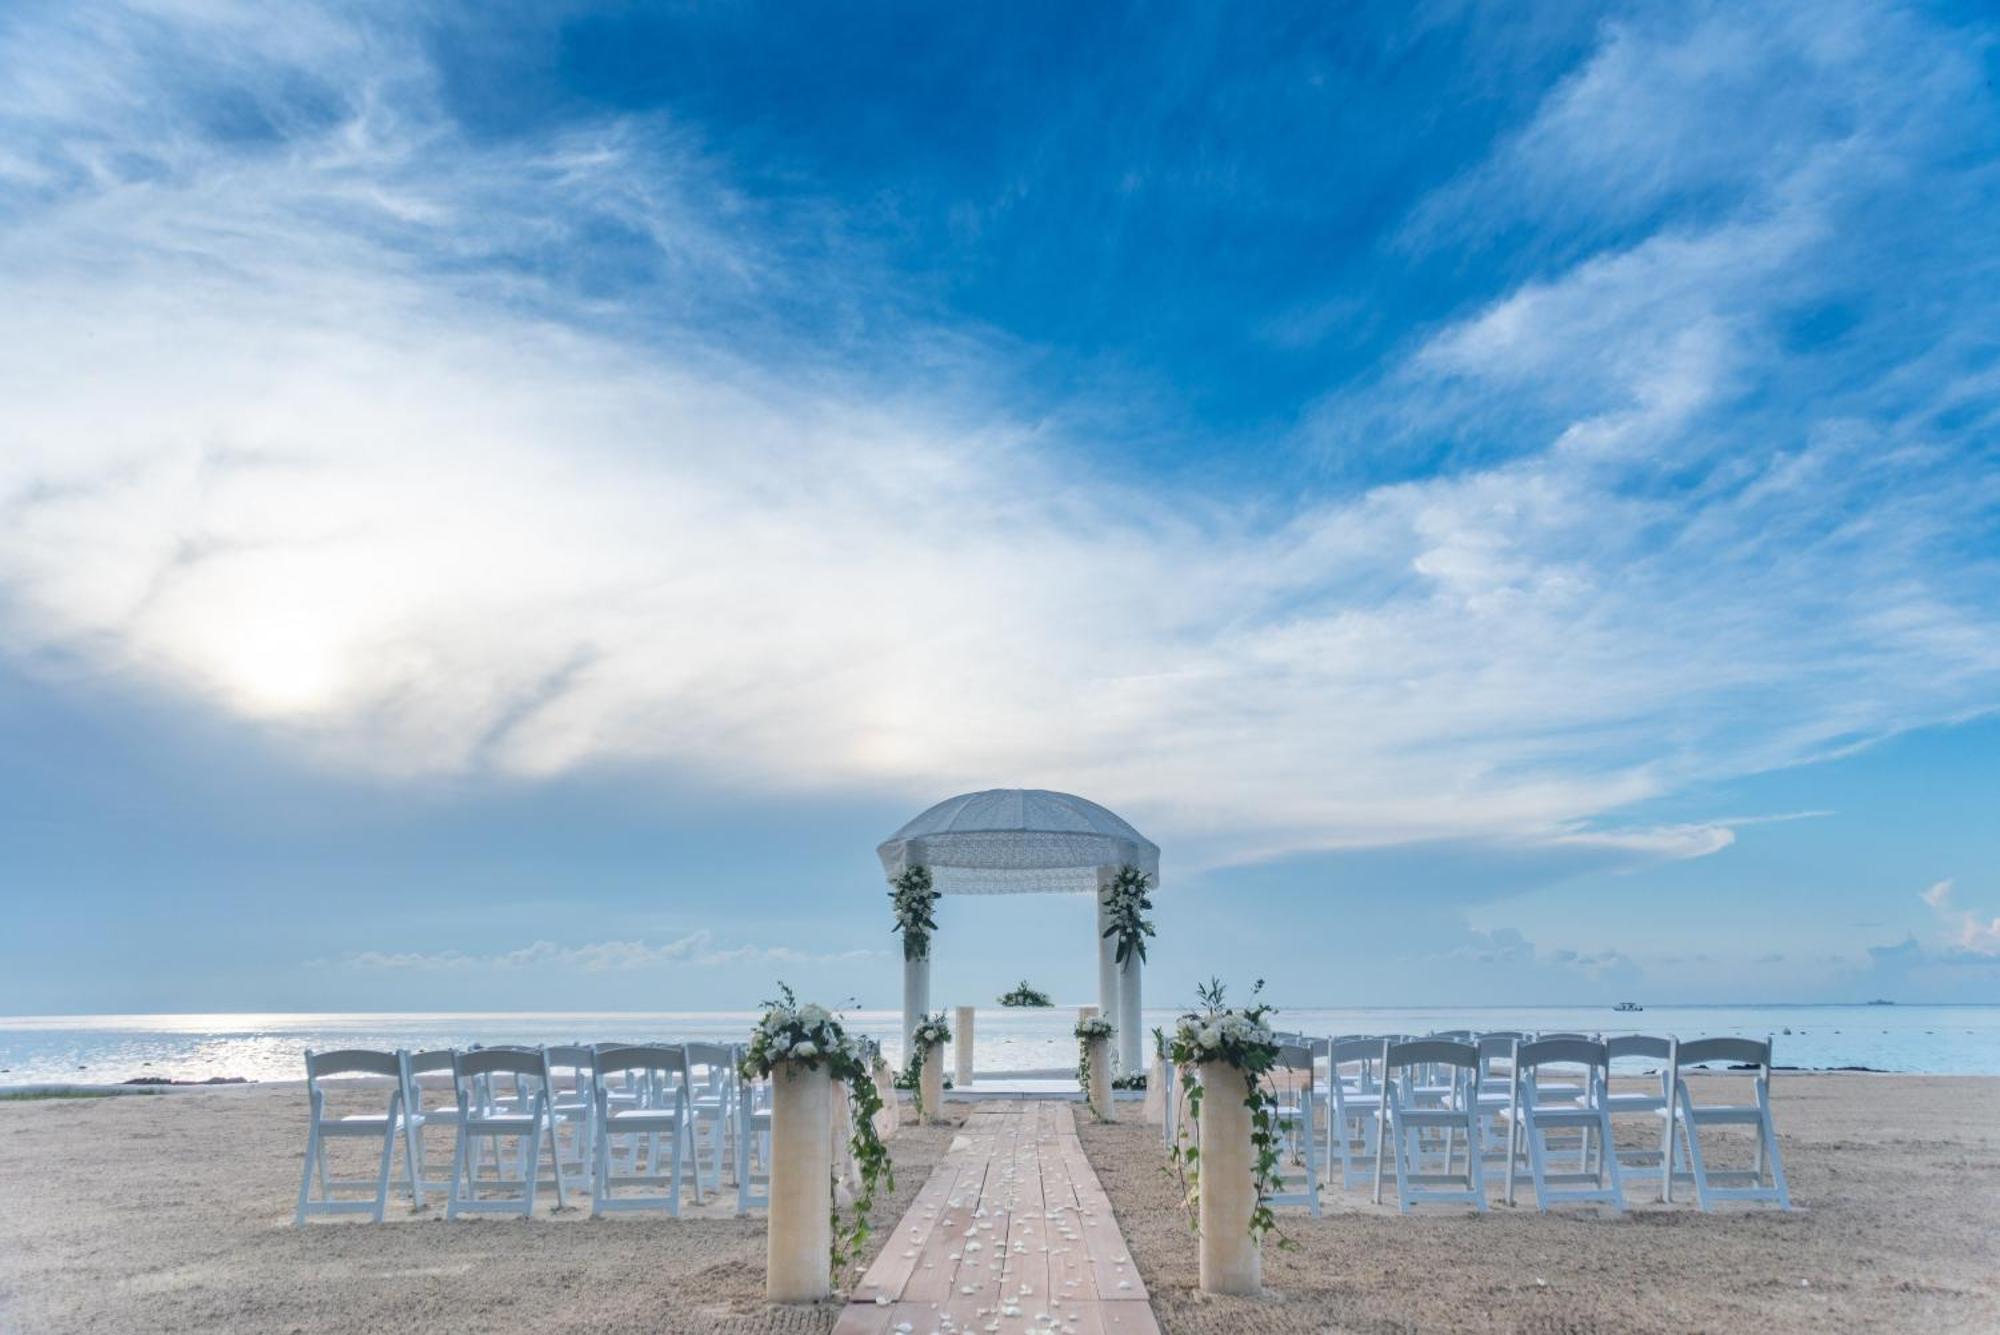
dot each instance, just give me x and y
(804, 1049)
(1209, 1036)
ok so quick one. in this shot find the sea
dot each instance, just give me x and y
(113, 1049)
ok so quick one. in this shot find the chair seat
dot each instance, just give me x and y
(501, 1122)
(645, 1119)
(1631, 1103)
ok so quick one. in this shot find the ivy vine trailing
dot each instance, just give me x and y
(915, 900)
(1093, 1027)
(1126, 906)
(791, 1036)
(931, 1030)
(1240, 1038)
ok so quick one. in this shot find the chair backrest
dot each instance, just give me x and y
(1502, 1033)
(615, 1058)
(352, 1061)
(1296, 1056)
(1496, 1045)
(1741, 1051)
(570, 1056)
(1639, 1045)
(1561, 1034)
(716, 1059)
(1346, 1050)
(431, 1059)
(501, 1061)
(1430, 1052)
(1560, 1051)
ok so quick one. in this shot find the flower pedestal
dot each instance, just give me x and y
(1156, 1093)
(891, 1117)
(931, 1082)
(1099, 1093)
(1231, 1260)
(961, 1032)
(799, 1236)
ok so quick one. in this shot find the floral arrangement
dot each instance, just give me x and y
(1087, 1030)
(1024, 995)
(1240, 1038)
(1126, 905)
(790, 1036)
(915, 900)
(932, 1030)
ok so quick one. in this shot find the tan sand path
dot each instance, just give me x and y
(1013, 1233)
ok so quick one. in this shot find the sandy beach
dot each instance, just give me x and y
(173, 1213)
(1897, 1180)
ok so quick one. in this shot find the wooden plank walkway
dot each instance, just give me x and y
(1012, 1233)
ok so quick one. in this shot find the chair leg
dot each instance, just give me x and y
(674, 1201)
(1769, 1141)
(412, 1161)
(386, 1169)
(458, 1161)
(305, 1181)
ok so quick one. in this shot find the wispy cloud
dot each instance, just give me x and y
(696, 949)
(348, 427)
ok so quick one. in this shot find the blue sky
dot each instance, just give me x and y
(504, 505)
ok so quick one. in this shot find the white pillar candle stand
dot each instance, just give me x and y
(799, 1234)
(1156, 1092)
(1099, 1092)
(961, 1037)
(931, 1081)
(1231, 1261)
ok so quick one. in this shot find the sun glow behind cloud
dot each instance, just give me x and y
(330, 432)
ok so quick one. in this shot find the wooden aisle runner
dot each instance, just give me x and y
(1011, 1234)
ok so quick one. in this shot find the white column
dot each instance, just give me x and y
(1107, 950)
(932, 1081)
(961, 1037)
(916, 999)
(1099, 1093)
(1231, 1261)
(1132, 1033)
(799, 1234)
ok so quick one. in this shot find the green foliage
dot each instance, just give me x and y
(1025, 995)
(1126, 906)
(1241, 1039)
(915, 901)
(931, 1031)
(790, 1037)
(1095, 1027)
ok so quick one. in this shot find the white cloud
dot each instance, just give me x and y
(1964, 929)
(696, 949)
(294, 430)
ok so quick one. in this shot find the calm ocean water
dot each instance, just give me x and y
(106, 1049)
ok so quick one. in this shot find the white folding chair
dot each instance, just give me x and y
(1736, 1184)
(753, 1143)
(417, 1118)
(1533, 1115)
(711, 1099)
(1353, 1111)
(662, 1076)
(570, 1108)
(1297, 1118)
(1417, 1104)
(383, 1126)
(1653, 1102)
(485, 1117)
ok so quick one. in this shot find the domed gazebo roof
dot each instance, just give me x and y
(1017, 841)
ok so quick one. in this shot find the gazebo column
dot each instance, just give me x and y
(916, 998)
(1107, 954)
(1131, 1052)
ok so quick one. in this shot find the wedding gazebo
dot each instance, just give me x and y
(1012, 841)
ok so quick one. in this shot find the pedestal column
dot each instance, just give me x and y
(931, 1081)
(1099, 1092)
(799, 1234)
(961, 1037)
(1231, 1261)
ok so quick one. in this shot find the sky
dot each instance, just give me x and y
(503, 506)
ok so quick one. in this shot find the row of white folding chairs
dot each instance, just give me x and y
(1426, 1090)
(608, 1097)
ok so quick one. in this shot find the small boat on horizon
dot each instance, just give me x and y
(1628, 1006)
